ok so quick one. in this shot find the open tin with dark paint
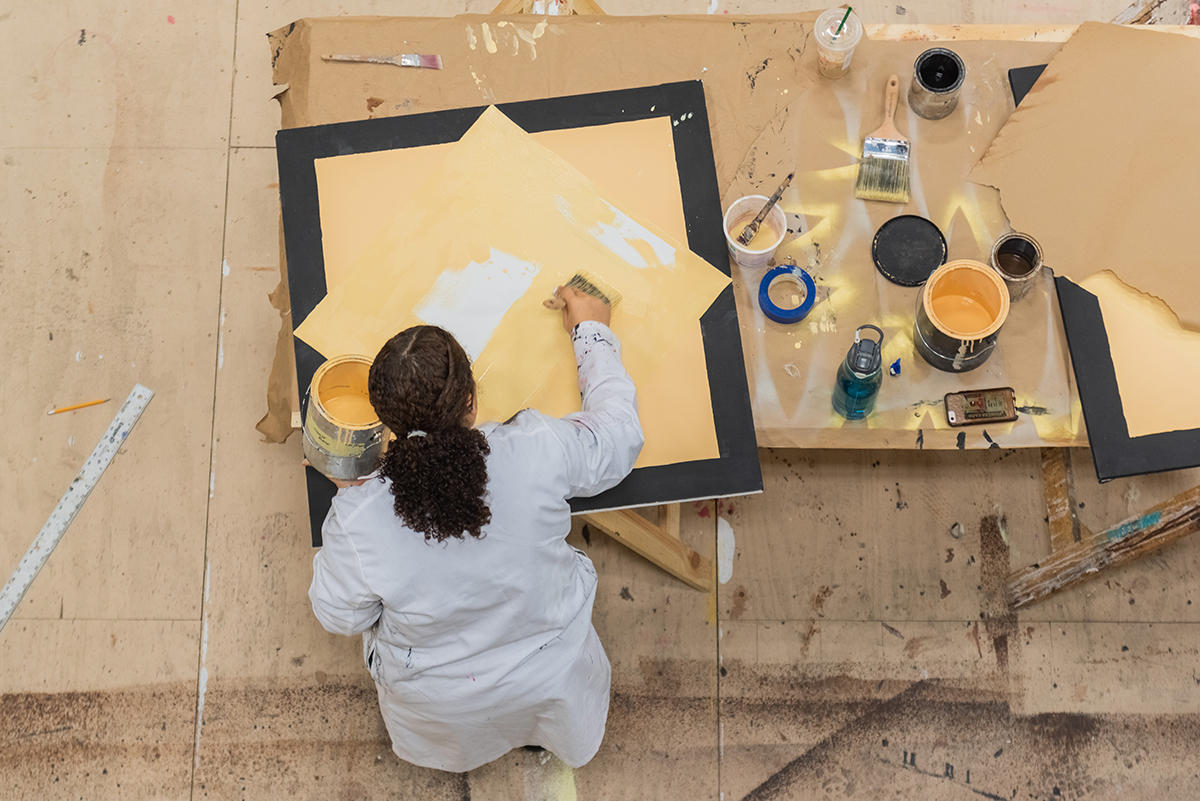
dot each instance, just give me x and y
(938, 76)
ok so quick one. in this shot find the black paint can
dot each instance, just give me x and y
(938, 75)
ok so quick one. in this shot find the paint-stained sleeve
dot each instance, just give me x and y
(339, 594)
(603, 441)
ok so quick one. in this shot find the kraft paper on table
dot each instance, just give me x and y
(1099, 165)
(752, 67)
(792, 368)
(513, 220)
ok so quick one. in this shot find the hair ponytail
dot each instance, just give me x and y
(422, 388)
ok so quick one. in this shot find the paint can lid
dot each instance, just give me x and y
(907, 249)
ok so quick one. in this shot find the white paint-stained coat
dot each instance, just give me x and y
(479, 646)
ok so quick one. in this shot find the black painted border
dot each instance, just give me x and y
(737, 471)
(1115, 453)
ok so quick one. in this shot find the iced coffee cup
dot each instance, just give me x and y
(834, 50)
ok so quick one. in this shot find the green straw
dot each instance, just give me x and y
(842, 24)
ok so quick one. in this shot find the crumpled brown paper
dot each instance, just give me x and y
(1099, 164)
(282, 392)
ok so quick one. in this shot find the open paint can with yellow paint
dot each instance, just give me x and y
(959, 313)
(343, 436)
(761, 249)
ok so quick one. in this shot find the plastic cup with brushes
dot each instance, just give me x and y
(755, 227)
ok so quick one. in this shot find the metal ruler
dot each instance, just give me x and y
(72, 501)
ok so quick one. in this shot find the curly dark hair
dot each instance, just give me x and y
(421, 381)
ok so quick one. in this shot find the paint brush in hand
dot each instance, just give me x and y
(402, 60)
(588, 284)
(883, 173)
(750, 230)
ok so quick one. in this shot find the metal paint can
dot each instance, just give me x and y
(343, 436)
(1017, 258)
(959, 313)
(938, 75)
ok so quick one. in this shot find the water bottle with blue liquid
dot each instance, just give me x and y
(859, 377)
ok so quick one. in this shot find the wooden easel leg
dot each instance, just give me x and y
(668, 519)
(656, 544)
(1065, 528)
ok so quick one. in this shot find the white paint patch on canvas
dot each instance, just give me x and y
(471, 302)
(619, 236)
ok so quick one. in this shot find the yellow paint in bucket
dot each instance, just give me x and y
(962, 306)
(343, 435)
(966, 300)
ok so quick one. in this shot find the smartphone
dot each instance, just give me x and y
(977, 406)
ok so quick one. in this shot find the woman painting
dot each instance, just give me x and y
(453, 563)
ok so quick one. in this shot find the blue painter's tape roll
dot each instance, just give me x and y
(789, 272)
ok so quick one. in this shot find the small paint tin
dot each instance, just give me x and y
(772, 231)
(1018, 259)
(938, 76)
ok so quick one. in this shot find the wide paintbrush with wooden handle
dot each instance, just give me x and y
(589, 285)
(883, 173)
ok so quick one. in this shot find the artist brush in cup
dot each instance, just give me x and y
(752, 228)
(588, 284)
(402, 60)
(883, 172)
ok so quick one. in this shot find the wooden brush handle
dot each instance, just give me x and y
(891, 100)
(362, 59)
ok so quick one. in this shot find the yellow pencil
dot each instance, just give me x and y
(79, 406)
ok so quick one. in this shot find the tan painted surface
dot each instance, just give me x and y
(632, 162)
(504, 185)
(1157, 360)
(138, 195)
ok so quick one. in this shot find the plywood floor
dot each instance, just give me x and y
(168, 651)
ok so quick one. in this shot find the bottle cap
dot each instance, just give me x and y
(865, 355)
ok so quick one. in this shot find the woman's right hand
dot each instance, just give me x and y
(581, 307)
